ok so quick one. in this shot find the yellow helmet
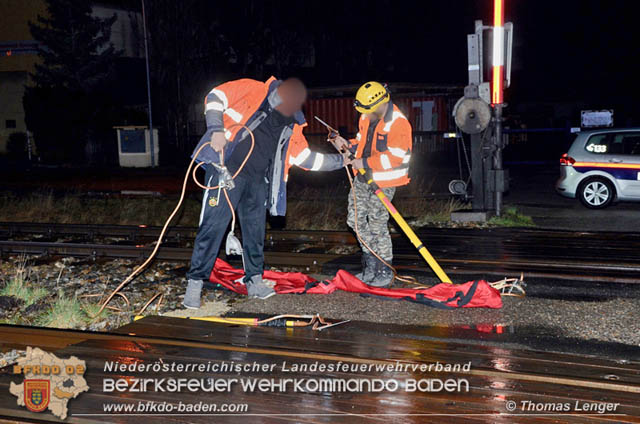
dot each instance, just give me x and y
(371, 96)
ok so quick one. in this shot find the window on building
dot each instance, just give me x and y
(10, 123)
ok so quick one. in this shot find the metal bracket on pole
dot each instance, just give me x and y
(488, 178)
(508, 34)
(475, 71)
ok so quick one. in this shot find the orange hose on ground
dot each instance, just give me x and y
(177, 208)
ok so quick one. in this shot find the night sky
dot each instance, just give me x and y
(577, 50)
(565, 50)
(569, 55)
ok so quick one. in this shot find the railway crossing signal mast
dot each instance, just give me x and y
(479, 112)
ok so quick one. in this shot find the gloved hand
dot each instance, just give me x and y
(347, 157)
(341, 143)
(218, 141)
(358, 163)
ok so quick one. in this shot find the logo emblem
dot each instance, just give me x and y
(213, 202)
(36, 395)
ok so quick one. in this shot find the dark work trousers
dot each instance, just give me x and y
(248, 198)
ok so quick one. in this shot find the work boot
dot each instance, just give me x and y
(368, 268)
(192, 295)
(383, 277)
(256, 288)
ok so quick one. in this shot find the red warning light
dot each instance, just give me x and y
(498, 51)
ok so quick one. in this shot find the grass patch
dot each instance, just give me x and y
(325, 208)
(423, 212)
(308, 208)
(512, 218)
(71, 208)
(14, 320)
(58, 311)
(92, 309)
(69, 312)
(66, 312)
(19, 287)
(317, 209)
(332, 214)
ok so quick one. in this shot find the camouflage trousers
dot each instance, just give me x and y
(373, 219)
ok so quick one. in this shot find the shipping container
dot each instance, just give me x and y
(426, 113)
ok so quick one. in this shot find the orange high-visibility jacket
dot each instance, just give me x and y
(389, 151)
(238, 102)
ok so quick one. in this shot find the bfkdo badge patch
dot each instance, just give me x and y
(213, 202)
(36, 394)
(49, 382)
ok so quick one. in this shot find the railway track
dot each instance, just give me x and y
(578, 256)
(140, 232)
(498, 374)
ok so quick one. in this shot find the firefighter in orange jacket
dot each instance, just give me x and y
(272, 111)
(382, 147)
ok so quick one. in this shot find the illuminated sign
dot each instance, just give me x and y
(596, 118)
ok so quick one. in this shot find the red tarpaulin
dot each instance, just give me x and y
(473, 294)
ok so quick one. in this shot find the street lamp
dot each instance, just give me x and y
(146, 58)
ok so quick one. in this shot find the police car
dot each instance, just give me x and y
(602, 166)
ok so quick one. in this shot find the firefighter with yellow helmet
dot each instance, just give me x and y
(382, 147)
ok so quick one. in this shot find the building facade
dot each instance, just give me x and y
(19, 53)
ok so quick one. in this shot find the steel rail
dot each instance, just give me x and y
(553, 268)
(29, 336)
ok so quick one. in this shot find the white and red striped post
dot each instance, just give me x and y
(498, 51)
(496, 92)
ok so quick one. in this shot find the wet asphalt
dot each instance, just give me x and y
(533, 193)
(554, 316)
(594, 318)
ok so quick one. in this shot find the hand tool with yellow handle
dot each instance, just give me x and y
(287, 320)
(254, 322)
(405, 228)
(333, 133)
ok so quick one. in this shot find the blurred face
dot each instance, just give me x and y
(378, 114)
(293, 94)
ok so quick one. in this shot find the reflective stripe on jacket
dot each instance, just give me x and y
(239, 102)
(390, 150)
